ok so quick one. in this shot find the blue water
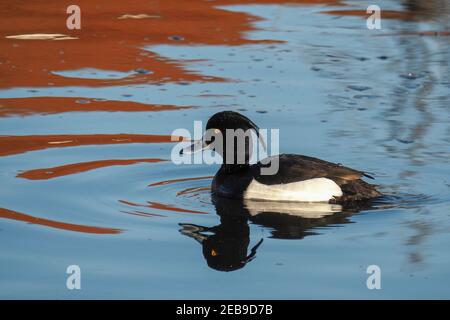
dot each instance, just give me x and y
(325, 87)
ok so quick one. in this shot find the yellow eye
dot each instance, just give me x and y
(213, 253)
(216, 131)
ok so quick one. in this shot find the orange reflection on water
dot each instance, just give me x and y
(162, 206)
(53, 105)
(50, 173)
(143, 214)
(194, 191)
(164, 182)
(112, 36)
(14, 215)
(20, 144)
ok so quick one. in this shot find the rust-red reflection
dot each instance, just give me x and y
(20, 144)
(192, 192)
(54, 105)
(112, 37)
(14, 215)
(143, 214)
(162, 206)
(74, 168)
(164, 182)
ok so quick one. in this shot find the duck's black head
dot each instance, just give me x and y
(230, 134)
(230, 120)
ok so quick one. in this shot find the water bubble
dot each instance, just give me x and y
(410, 76)
(404, 141)
(358, 88)
(82, 101)
(142, 71)
(176, 38)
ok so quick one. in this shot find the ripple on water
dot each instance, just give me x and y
(181, 196)
(93, 73)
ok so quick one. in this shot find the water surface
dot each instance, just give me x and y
(85, 146)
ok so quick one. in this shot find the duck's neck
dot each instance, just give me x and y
(232, 168)
(239, 162)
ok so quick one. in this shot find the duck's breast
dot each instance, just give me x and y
(311, 190)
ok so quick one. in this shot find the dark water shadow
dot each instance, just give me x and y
(226, 246)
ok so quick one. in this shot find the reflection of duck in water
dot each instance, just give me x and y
(225, 246)
(303, 194)
(297, 178)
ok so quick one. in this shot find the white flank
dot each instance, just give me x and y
(312, 190)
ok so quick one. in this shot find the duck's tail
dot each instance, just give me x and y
(357, 190)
